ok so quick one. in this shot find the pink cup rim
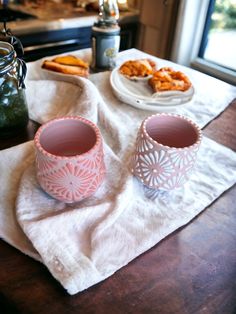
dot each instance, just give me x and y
(57, 157)
(197, 128)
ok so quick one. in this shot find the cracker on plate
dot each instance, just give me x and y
(166, 79)
(139, 68)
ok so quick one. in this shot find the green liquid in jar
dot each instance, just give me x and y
(13, 108)
(3, 53)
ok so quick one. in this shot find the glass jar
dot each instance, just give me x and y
(13, 106)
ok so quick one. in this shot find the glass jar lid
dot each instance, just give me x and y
(7, 55)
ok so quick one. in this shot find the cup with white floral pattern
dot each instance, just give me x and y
(165, 151)
(69, 158)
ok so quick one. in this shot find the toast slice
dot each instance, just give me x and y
(71, 60)
(65, 69)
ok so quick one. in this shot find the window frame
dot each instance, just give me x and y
(188, 46)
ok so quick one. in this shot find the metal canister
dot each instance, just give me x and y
(105, 46)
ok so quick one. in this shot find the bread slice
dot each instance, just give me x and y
(71, 60)
(65, 69)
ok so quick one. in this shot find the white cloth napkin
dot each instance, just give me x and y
(84, 243)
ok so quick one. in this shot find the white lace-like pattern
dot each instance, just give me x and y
(158, 167)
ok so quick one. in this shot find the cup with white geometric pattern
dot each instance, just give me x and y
(69, 158)
(165, 151)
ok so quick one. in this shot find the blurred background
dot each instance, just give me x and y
(196, 33)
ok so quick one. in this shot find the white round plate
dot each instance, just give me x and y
(139, 94)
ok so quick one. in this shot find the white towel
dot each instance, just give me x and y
(84, 243)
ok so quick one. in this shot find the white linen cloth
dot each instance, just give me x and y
(84, 243)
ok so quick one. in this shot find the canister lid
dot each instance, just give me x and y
(109, 30)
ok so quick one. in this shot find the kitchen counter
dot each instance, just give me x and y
(63, 16)
(56, 29)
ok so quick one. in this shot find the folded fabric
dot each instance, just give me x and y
(55, 97)
(84, 243)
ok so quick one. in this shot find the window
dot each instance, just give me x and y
(217, 51)
(207, 39)
(218, 43)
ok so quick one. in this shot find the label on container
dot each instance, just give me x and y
(105, 49)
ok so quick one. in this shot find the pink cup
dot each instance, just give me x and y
(166, 151)
(69, 158)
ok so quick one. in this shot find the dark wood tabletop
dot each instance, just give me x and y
(191, 271)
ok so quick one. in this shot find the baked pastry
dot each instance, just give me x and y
(166, 79)
(138, 68)
(71, 60)
(67, 65)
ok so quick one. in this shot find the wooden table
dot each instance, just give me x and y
(191, 271)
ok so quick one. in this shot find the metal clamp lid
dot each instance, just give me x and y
(18, 48)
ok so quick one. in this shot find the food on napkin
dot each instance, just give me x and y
(67, 65)
(141, 68)
(166, 79)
